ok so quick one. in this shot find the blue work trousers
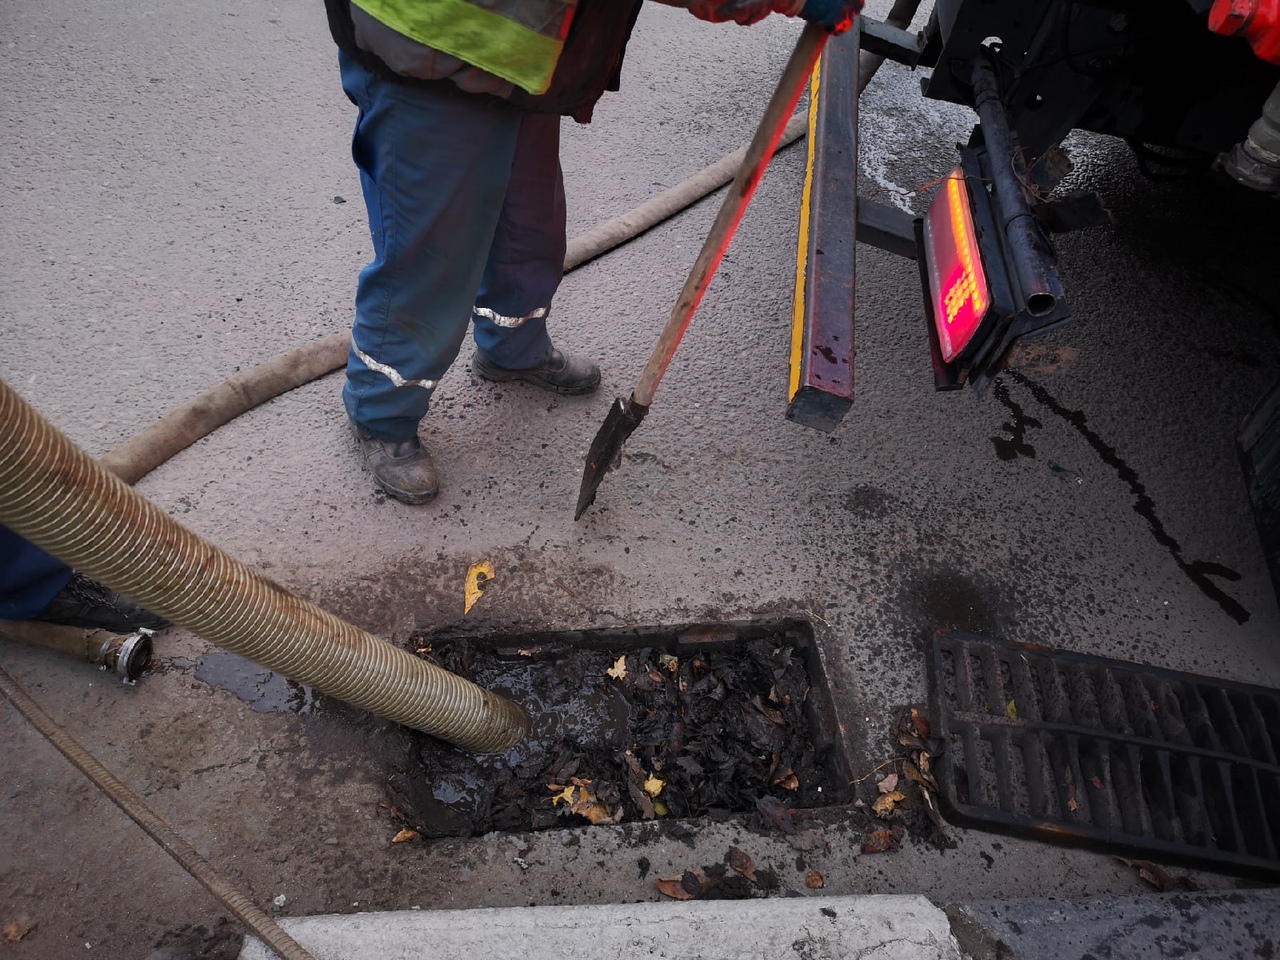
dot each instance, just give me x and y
(466, 210)
(29, 577)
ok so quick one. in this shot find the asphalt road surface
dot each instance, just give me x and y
(178, 203)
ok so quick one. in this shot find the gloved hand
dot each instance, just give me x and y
(744, 12)
(836, 15)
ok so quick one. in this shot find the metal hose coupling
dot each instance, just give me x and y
(128, 654)
(62, 500)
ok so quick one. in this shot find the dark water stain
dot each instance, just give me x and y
(1198, 572)
(1015, 445)
(264, 690)
(870, 502)
(949, 600)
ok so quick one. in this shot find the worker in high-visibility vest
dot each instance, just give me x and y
(457, 141)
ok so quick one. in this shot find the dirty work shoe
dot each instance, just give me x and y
(89, 605)
(404, 469)
(559, 374)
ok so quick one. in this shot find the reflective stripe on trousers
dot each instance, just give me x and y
(466, 213)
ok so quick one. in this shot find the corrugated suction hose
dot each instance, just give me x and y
(60, 499)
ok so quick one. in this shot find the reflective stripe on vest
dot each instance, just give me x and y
(517, 40)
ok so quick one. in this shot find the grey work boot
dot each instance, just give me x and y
(404, 469)
(559, 374)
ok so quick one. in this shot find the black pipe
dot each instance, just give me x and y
(1029, 254)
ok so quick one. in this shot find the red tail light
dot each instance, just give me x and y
(957, 283)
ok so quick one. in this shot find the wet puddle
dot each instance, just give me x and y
(264, 690)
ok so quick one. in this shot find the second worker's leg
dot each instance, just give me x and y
(524, 268)
(434, 166)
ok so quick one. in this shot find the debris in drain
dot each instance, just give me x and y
(814, 880)
(639, 736)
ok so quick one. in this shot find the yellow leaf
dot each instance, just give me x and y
(564, 796)
(884, 803)
(653, 786)
(668, 662)
(478, 574)
(404, 836)
(1011, 711)
(619, 670)
(660, 808)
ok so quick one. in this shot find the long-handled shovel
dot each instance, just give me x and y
(624, 417)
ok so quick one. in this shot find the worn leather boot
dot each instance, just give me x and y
(559, 374)
(404, 470)
(89, 605)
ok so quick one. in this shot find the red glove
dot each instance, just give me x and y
(744, 12)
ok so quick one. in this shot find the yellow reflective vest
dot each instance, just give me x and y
(517, 40)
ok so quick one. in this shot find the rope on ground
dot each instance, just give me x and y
(263, 927)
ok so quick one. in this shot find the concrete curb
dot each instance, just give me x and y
(811, 928)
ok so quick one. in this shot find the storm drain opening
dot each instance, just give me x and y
(1115, 755)
(633, 725)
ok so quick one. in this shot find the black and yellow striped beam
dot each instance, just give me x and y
(821, 387)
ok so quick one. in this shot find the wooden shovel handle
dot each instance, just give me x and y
(782, 105)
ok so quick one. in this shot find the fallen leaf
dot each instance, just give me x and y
(814, 881)
(919, 724)
(404, 836)
(687, 886)
(587, 805)
(888, 784)
(478, 574)
(1072, 805)
(1011, 711)
(660, 808)
(653, 786)
(668, 662)
(15, 931)
(742, 864)
(1097, 783)
(1159, 877)
(619, 669)
(922, 777)
(789, 781)
(778, 813)
(879, 841)
(885, 802)
(565, 794)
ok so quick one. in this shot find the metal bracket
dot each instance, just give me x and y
(889, 42)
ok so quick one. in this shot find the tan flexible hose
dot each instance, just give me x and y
(266, 929)
(63, 501)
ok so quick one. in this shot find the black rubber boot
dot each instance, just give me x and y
(559, 374)
(88, 604)
(404, 470)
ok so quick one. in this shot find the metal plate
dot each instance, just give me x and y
(1119, 756)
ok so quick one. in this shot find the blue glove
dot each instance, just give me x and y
(836, 15)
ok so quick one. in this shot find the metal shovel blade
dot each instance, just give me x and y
(606, 448)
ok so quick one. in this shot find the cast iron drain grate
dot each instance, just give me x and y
(1108, 754)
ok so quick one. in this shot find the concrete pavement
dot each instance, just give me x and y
(170, 216)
